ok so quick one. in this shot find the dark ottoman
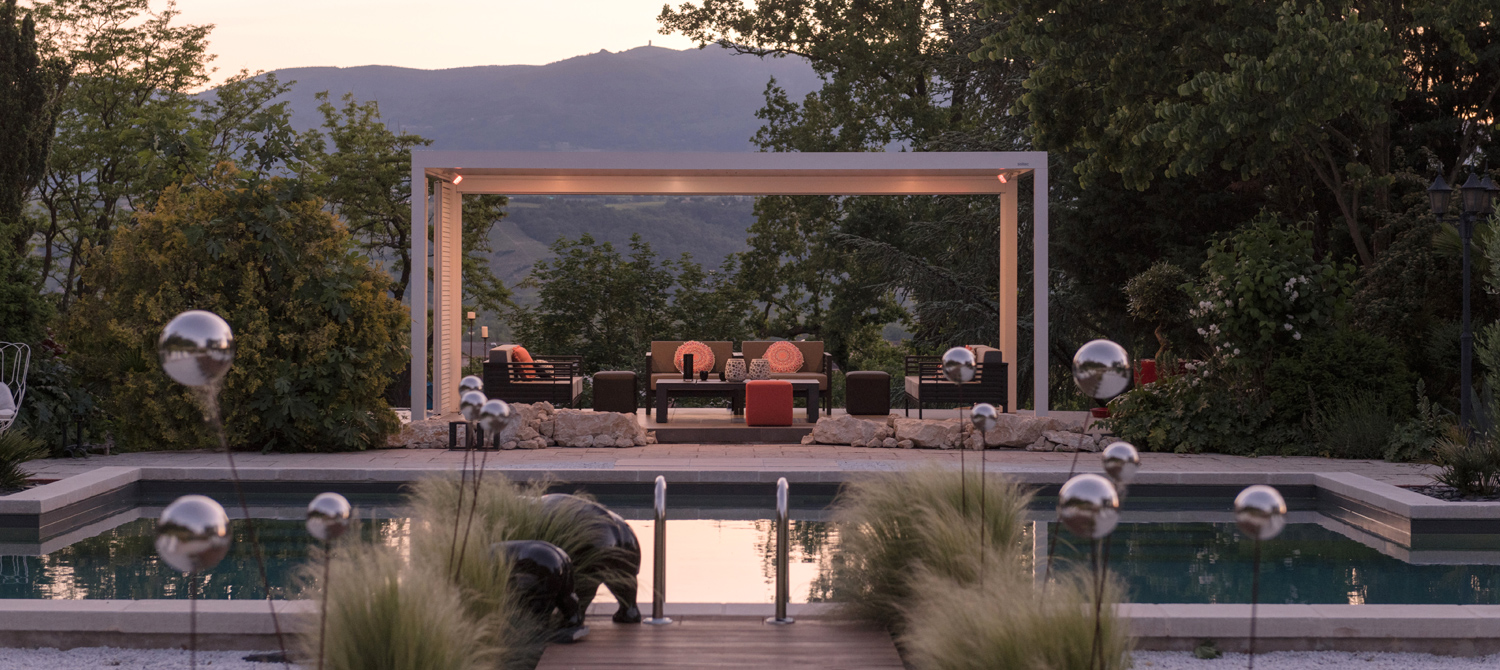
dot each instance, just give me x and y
(615, 392)
(867, 392)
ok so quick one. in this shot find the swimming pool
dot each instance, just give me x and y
(721, 548)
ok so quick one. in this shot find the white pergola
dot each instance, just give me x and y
(455, 173)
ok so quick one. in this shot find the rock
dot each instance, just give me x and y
(845, 429)
(638, 441)
(808, 439)
(1015, 430)
(1041, 444)
(905, 444)
(528, 433)
(974, 442)
(928, 433)
(857, 443)
(509, 445)
(889, 443)
(623, 442)
(535, 443)
(650, 437)
(884, 431)
(425, 434)
(579, 428)
(1065, 441)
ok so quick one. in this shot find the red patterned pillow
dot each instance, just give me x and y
(703, 357)
(784, 357)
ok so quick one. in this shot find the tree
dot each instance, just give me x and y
(606, 306)
(318, 338)
(366, 180)
(29, 88)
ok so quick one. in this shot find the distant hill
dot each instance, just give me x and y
(644, 99)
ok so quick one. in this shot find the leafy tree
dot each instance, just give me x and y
(1157, 296)
(366, 180)
(318, 338)
(606, 306)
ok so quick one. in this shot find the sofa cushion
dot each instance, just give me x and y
(664, 351)
(576, 383)
(703, 357)
(784, 357)
(501, 353)
(812, 352)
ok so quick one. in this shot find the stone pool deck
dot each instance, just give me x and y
(769, 460)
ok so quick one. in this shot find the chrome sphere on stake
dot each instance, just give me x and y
(1089, 506)
(495, 416)
(196, 348)
(1260, 512)
(958, 365)
(192, 534)
(469, 404)
(984, 417)
(470, 383)
(1101, 369)
(328, 516)
(1121, 460)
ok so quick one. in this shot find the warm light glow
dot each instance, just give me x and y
(484, 331)
(458, 179)
(471, 316)
(1004, 179)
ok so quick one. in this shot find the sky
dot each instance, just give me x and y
(274, 34)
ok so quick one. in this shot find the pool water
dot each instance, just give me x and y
(731, 560)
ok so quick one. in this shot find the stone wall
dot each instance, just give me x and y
(540, 425)
(1012, 431)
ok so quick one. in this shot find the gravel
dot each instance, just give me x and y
(1299, 660)
(126, 659)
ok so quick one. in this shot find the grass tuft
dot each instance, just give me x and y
(16, 448)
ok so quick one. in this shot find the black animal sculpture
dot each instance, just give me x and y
(618, 556)
(542, 575)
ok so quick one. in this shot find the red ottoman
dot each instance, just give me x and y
(768, 402)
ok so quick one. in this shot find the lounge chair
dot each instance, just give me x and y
(926, 384)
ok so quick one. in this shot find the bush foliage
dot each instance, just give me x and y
(317, 335)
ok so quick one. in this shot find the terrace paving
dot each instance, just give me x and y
(730, 458)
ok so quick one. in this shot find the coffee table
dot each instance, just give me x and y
(735, 391)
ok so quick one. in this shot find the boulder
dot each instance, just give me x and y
(889, 443)
(845, 429)
(904, 444)
(928, 433)
(425, 434)
(579, 428)
(1015, 430)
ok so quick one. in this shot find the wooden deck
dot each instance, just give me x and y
(725, 642)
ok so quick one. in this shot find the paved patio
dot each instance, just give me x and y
(736, 457)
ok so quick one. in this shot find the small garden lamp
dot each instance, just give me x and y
(1477, 199)
(1438, 194)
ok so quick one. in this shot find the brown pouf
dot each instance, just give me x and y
(867, 392)
(614, 391)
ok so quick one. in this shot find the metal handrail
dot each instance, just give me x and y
(659, 559)
(783, 573)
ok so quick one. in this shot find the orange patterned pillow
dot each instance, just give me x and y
(703, 357)
(784, 357)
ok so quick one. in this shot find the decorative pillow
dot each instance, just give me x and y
(519, 354)
(703, 357)
(7, 402)
(784, 357)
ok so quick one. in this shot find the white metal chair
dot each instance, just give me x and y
(15, 361)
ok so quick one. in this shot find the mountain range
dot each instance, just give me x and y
(644, 99)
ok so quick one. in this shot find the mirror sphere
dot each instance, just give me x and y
(469, 404)
(196, 348)
(958, 365)
(984, 416)
(1121, 460)
(1089, 506)
(192, 534)
(1101, 369)
(1260, 512)
(470, 383)
(328, 516)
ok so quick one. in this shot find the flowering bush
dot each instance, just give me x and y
(1262, 287)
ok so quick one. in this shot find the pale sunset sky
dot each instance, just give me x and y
(273, 34)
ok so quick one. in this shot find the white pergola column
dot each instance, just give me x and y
(417, 293)
(447, 297)
(1040, 273)
(1009, 277)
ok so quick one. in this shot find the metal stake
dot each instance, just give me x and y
(659, 561)
(783, 572)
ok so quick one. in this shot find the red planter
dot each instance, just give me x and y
(1146, 372)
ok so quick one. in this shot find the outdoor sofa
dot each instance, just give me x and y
(926, 384)
(661, 361)
(554, 379)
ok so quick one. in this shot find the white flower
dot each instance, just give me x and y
(1236, 352)
(1287, 326)
(1229, 304)
(1296, 336)
(1294, 295)
(1202, 332)
(1205, 373)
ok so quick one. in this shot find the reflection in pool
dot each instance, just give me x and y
(731, 560)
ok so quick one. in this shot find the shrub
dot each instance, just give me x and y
(1263, 288)
(1196, 413)
(16, 448)
(318, 337)
(1334, 364)
(1356, 425)
(889, 525)
(1414, 438)
(1469, 465)
(1007, 622)
(1157, 296)
(55, 397)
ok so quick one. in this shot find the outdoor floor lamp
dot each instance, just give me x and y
(1477, 201)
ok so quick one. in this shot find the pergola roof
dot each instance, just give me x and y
(603, 173)
(441, 178)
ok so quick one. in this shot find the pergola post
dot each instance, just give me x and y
(1009, 277)
(417, 292)
(1040, 273)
